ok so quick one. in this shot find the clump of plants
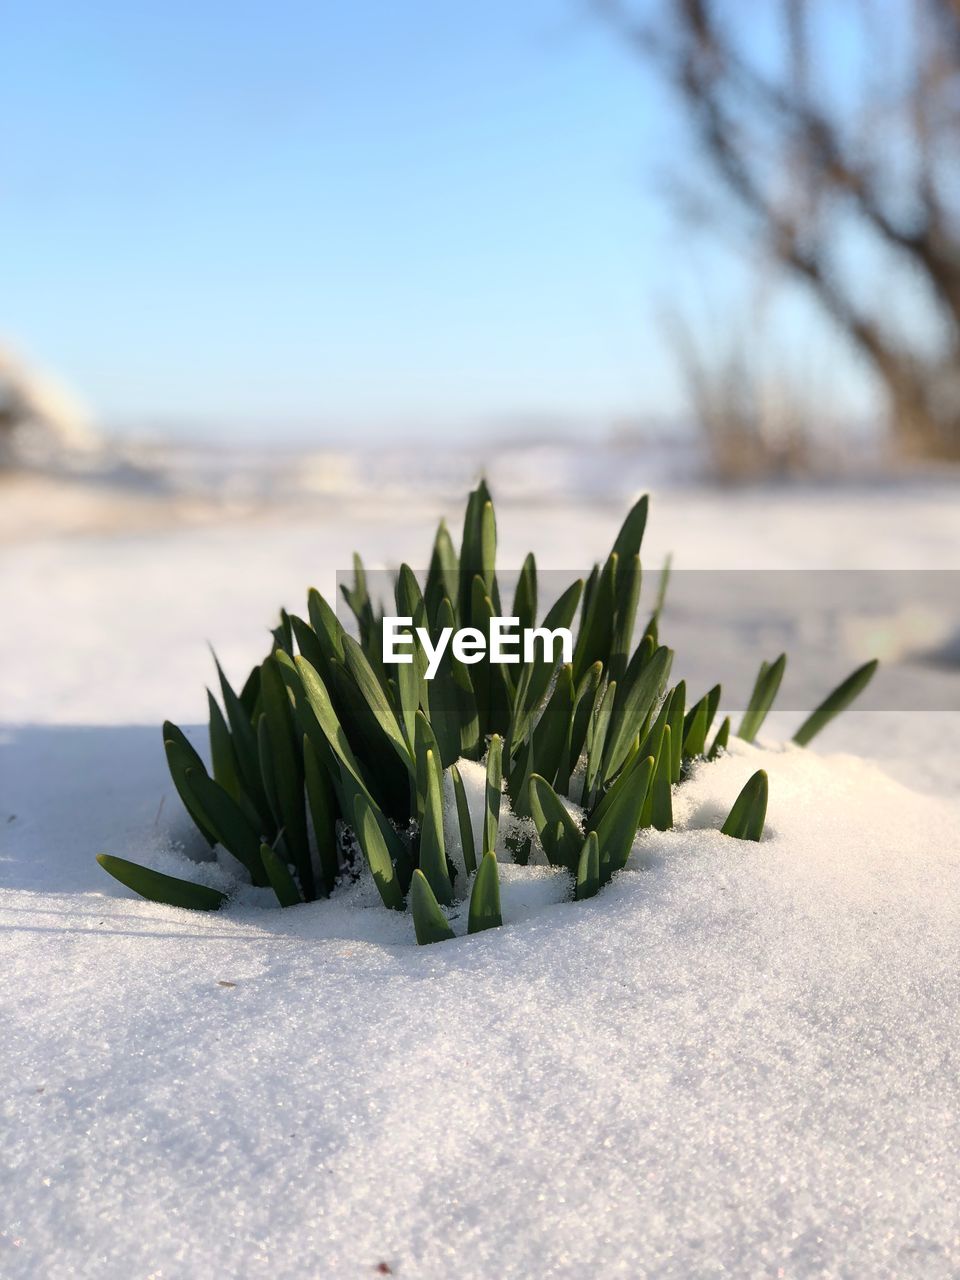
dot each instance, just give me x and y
(327, 749)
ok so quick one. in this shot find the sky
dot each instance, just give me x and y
(301, 219)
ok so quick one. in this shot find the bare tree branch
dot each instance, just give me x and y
(759, 127)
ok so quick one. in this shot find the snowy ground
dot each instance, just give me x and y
(737, 1061)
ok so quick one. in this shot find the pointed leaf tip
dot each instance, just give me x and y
(156, 887)
(746, 818)
(485, 897)
(429, 922)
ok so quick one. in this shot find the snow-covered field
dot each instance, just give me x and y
(738, 1060)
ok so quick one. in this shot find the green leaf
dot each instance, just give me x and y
(588, 868)
(283, 634)
(596, 629)
(713, 701)
(518, 780)
(597, 732)
(585, 705)
(627, 592)
(244, 741)
(407, 593)
(314, 692)
(835, 702)
(370, 834)
(694, 744)
(317, 714)
(327, 626)
(662, 589)
(443, 576)
(488, 544)
(551, 737)
(630, 537)
(222, 755)
(231, 825)
(485, 897)
(265, 752)
(635, 704)
(160, 888)
(250, 692)
(430, 923)
(181, 756)
(386, 776)
(536, 675)
(323, 813)
(308, 643)
(761, 700)
(617, 820)
(358, 599)
(678, 701)
(433, 858)
(467, 842)
(281, 881)
(424, 741)
(410, 689)
(746, 818)
(650, 746)
(478, 554)
(494, 695)
(287, 768)
(661, 812)
(492, 792)
(558, 832)
(721, 740)
(525, 595)
(376, 699)
(450, 697)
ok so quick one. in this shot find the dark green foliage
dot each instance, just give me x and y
(694, 744)
(433, 857)
(327, 751)
(222, 755)
(721, 740)
(637, 696)
(675, 725)
(661, 809)
(559, 834)
(430, 923)
(322, 803)
(746, 818)
(835, 702)
(525, 596)
(467, 842)
(761, 700)
(551, 737)
(181, 759)
(228, 822)
(492, 794)
(588, 868)
(285, 765)
(485, 897)
(617, 818)
(161, 888)
(370, 835)
(281, 881)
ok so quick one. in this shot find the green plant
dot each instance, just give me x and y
(324, 739)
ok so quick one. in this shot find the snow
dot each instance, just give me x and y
(738, 1059)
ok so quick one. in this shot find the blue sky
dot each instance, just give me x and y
(334, 219)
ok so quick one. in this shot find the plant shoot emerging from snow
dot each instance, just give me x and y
(337, 747)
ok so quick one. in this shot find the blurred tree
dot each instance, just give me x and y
(835, 127)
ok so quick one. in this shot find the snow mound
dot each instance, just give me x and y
(738, 1059)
